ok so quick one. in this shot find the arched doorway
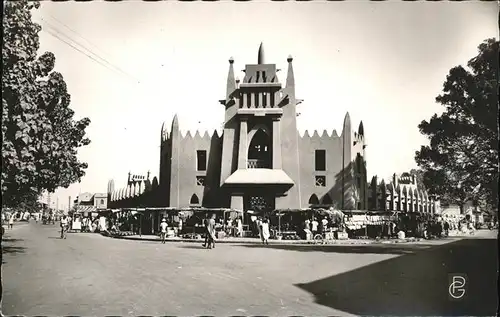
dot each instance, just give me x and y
(194, 200)
(313, 200)
(327, 200)
(259, 151)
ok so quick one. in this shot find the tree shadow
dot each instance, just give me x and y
(417, 285)
(11, 240)
(355, 249)
(7, 249)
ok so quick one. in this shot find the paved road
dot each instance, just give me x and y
(91, 275)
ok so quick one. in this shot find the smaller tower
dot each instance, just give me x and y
(261, 57)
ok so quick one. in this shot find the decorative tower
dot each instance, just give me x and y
(260, 123)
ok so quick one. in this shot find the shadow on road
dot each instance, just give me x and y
(199, 247)
(6, 249)
(57, 238)
(11, 240)
(417, 285)
(371, 248)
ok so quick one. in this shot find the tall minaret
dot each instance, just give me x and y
(231, 127)
(289, 137)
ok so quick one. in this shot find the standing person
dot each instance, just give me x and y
(307, 224)
(324, 223)
(64, 227)
(163, 230)
(11, 222)
(211, 232)
(446, 228)
(265, 231)
(239, 225)
(179, 227)
(258, 222)
(314, 226)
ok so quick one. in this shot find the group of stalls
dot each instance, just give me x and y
(284, 224)
(181, 221)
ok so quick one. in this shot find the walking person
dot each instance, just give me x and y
(11, 222)
(163, 230)
(211, 232)
(206, 225)
(64, 226)
(264, 229)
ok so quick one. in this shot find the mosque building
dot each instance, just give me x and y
(260, 161)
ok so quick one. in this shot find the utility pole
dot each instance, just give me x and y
(69, 203)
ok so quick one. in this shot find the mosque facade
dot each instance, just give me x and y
(260, 161)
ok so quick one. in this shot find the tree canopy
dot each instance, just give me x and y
(461, 162)
(40, 137)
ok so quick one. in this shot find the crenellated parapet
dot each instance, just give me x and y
(136, 188)
(320, 134)
(401, 194)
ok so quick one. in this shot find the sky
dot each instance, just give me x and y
(383, 62)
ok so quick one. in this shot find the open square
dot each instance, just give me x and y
(92, 275)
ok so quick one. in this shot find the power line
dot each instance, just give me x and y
(88, 50)
(84, 53)
(114, 68)
(85, 39)
(76, 33)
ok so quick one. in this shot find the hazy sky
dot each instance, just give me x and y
(383, 62)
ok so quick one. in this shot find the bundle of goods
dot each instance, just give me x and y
(123, 233)
(191, 236)
(291, 237)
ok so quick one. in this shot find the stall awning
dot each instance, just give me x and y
(259, 176)
(86, 209)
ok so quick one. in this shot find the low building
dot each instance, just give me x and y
(90, 203)
(401, 194)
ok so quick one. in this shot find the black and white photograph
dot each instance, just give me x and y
(250, 158)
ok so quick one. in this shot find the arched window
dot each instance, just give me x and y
(313, 200)
(194, 200)
(259, 151)
(327, 200)
(102, 201)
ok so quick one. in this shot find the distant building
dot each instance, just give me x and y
(401, 194)
(90, 203)
(260, 162)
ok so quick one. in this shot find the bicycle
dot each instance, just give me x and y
(322, 238)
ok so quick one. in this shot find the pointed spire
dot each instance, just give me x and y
(290, 79)
(361, 130)
(175, 123)
(231, 82)
(347, 119)
(261, 56)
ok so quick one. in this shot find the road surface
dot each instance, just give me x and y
(91, 275)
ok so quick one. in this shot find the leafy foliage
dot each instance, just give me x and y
(461, 162)
(39, 136)
(419, 174)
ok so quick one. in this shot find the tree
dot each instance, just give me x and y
(461, 162)
(40, 138)
(419, 174)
